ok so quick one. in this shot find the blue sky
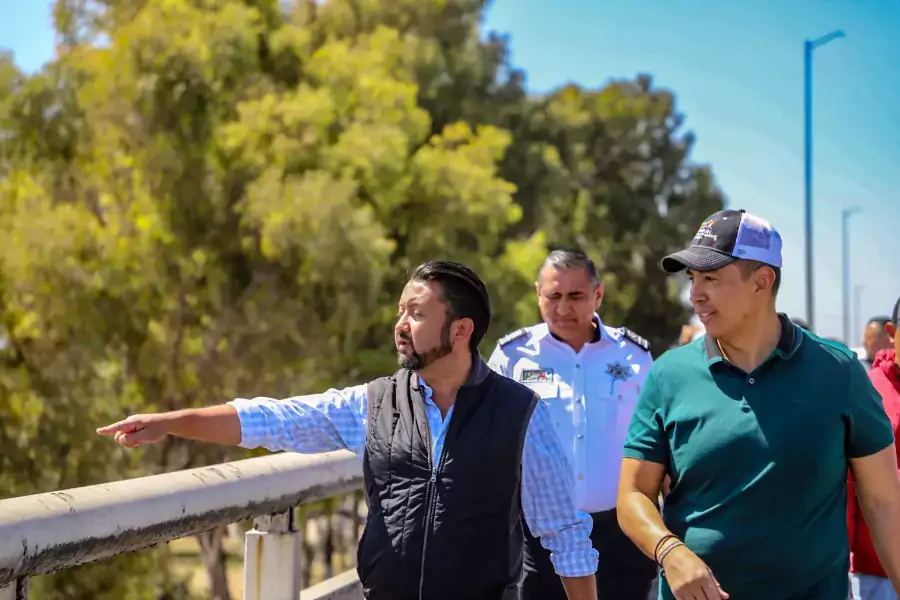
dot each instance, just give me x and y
(737, 69)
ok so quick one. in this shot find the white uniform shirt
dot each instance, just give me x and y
(591, 394)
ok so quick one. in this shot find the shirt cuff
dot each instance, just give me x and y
(580, 564)
(646, 455)
(572, 553)
(248, 412)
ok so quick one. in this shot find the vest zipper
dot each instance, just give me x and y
(429, 508)
(431, 489)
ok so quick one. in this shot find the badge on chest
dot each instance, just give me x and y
(619, 372)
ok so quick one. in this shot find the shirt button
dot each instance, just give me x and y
(577, 366)
(580, 436)
(752, 381)
(581, 476)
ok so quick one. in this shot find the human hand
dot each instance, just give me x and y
(689, 578)
(137, 430)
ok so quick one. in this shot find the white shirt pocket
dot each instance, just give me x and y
(547, 390)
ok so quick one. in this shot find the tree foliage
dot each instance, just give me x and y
(201, 200)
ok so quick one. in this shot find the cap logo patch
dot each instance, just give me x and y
(706, 231)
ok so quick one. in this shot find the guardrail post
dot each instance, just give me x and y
(272, 554)
(15, 591)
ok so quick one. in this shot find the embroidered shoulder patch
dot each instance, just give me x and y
(636, 339)
(509, 337)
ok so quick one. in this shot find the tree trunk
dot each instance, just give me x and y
(213, 553)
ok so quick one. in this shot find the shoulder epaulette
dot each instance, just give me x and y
(512, 336)
(636, 339)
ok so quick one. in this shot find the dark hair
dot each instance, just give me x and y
(895, 319)
(881, 321)
(571, 258)
(464, 294)
(748, 267)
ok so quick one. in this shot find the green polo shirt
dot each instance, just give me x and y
(758, 461)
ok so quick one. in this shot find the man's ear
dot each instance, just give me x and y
(891, 330)
(598, 296)
(462, 330)
(765, 278)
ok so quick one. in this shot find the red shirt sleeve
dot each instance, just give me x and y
(851, 508)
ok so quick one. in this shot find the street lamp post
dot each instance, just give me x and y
(857, 309)
(845, 247)
(808, 47)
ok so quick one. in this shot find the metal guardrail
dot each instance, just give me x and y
(49, 532)
(345, 586)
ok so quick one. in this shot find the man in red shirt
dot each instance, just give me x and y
(868, 578)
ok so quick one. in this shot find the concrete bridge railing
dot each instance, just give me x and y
(44, 533)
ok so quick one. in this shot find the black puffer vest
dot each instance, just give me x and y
(451, 532)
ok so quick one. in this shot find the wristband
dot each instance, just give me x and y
(660, 543)
(665, 552)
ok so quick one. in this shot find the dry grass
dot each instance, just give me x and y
(187, 562)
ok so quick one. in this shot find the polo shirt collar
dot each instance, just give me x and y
(788, 344)
(791, 338)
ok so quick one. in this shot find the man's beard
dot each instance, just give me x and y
(415, 361)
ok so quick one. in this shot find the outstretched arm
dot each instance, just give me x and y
(214, 424)
(334, 420)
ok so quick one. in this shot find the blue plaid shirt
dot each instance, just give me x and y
(336, 420)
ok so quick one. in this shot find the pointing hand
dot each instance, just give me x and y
(137, 430)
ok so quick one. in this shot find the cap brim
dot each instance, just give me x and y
(696, 258)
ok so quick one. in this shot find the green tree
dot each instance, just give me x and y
(202, 200)
(231, 214)
(608, 171)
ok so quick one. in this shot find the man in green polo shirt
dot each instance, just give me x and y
(755, 424)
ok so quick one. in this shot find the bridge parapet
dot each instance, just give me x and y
(44, 533)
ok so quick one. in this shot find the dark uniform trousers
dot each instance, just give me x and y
(623, 573)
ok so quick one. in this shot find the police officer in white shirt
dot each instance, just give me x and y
(590, 375)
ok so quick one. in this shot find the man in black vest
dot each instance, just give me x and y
(453, 455)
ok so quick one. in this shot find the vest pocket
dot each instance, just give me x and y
(374, 554)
